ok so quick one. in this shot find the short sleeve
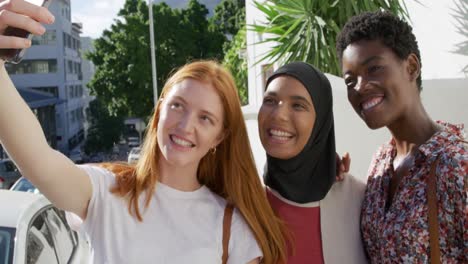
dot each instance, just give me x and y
(101, 181)
(243, 246)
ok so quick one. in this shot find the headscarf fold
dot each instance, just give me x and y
(308, 176)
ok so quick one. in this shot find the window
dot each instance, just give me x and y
(32, 66)
(61, 234)
(39, 243)
(7, 240)
(49, 38)
(52, 90)
(69, 66)
(70, 91)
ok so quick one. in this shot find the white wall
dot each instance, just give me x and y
(444, 100)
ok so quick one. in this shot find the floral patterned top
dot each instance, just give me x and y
(400, 234)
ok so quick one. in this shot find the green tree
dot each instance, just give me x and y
(236, 62)
(122, 55)
(305, 30)
(104, 130)
(461, 17)
(229, 16)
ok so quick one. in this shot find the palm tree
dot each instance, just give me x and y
(305, 30)
(461, 16)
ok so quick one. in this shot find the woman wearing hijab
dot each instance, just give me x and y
(297, 131)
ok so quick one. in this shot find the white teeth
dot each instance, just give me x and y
(371, 103)
(279, 133)
(181, 142)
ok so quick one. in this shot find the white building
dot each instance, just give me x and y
(444, 99)
(53, 65)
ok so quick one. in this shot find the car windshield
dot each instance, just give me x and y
(7, 236)
(24, 185)
(135, 151)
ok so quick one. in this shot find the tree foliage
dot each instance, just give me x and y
(122, 55)
(104, 130)
(305, 30)
(236, 61)
(461, 17)
(229, 16)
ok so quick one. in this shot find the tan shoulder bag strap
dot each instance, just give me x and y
(227, 219)
(433, 215)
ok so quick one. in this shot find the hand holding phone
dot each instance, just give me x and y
(21, 19)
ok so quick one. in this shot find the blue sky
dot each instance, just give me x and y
(432, 23)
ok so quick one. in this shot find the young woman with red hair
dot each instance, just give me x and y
(171, 206)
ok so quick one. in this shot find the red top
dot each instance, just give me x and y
(304, 224)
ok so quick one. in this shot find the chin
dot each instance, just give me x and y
(374, 124)
(279, 155)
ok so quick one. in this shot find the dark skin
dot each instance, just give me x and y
(382, 89)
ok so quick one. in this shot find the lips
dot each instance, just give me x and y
(279, 135)
(182, 142)
(371, 102)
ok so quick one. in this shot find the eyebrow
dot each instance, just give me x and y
(367, 61)
(293, 97)
(206, 112)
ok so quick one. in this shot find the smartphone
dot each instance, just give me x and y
(15, 55)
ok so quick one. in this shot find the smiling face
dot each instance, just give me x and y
(381, 87)
(190, 123)
(286, 118)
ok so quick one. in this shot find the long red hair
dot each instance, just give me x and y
(230, 172)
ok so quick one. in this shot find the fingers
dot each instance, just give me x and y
(9, 18)
(346, 161)
(21, 15)
(14, 43)
(38, 13)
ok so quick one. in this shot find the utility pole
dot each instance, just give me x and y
(153, 54)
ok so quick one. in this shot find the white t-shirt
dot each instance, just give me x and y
(178, 227)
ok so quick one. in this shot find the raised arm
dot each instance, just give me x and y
(61, 181)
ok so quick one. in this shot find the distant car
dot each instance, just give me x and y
(134, 155)
(24, 185)
(32, 230)
(9, 174)
(76, 156)
(96, 158)
(133, 142)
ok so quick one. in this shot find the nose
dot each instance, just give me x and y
(361, 85)
(187, 123)
(280, 112)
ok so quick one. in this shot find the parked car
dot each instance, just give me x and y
(32, 230)
(134, 155)
(24, 185)
(133, 142)
(9, 174)
(97, 157)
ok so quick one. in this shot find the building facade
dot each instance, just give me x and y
(53, 65)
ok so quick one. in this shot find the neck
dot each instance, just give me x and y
(182, 178)
(412, 130)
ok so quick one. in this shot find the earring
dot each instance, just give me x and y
(213, 151)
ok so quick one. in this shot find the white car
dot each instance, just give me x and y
(32, 230)
(134, 155)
